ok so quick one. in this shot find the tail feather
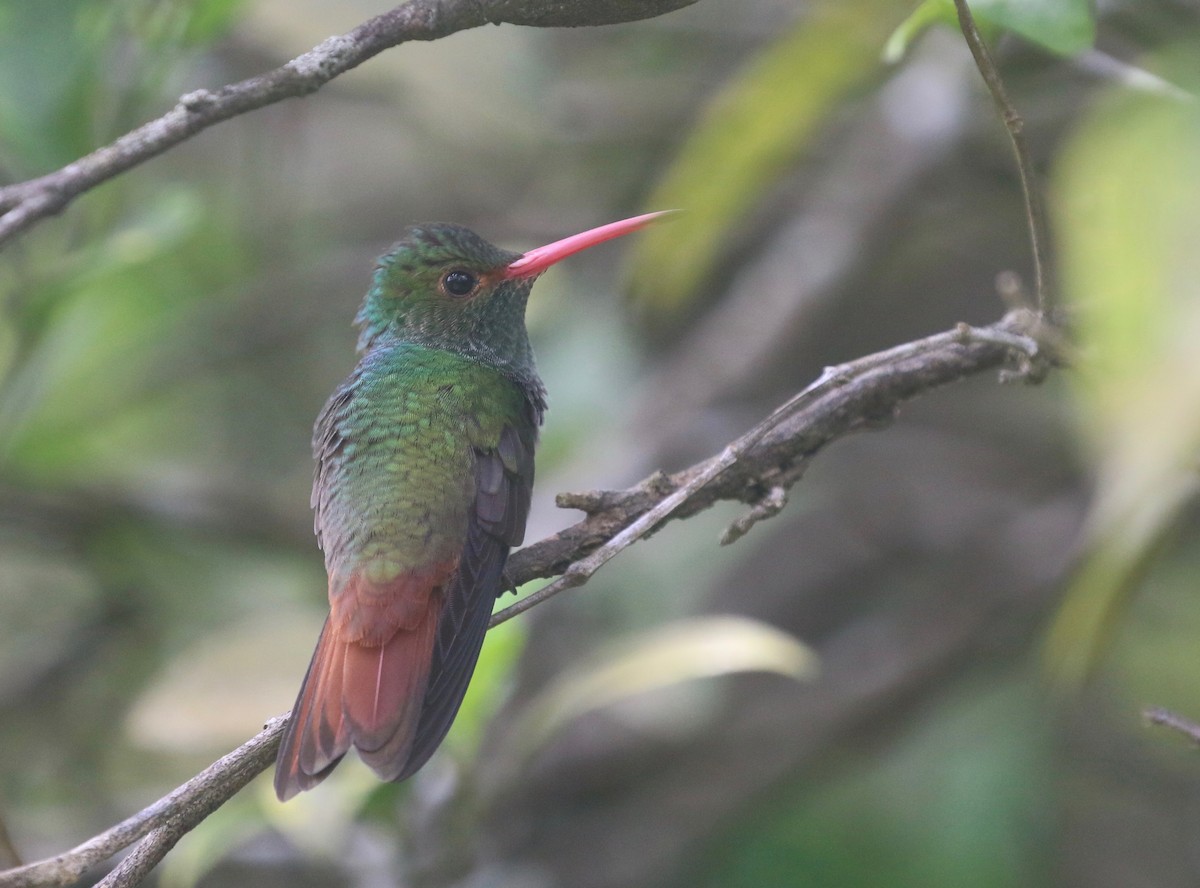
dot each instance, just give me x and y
(360, 695)
(312, 743)
(383, 695)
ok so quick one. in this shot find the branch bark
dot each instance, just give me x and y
(162, 824)
(25, 203)
(862, 394)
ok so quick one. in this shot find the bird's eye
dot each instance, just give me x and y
(459, 282)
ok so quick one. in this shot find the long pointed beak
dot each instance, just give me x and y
(539, 259)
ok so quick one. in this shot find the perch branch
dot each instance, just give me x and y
(861, 394)
(25, 203)
(858, 395)
(172, 816)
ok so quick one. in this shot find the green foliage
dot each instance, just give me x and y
(100, 398)
(944, 805)
(685, 650)
(156, 391)
(102, 339)
(1064, 27)
(53, 107)
(1129, 189)
(47, 105)
(750, 135)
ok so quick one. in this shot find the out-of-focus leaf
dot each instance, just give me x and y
(177, 24)
(210, 20)
(44, 114)
(925, 16)
(702, 647)
(753, 131)
(501, 650)
(216, 693)
(103, 333)
(1154, 654)
(320, 822)
(943, 804)
(1064, 27)
(1129, 186)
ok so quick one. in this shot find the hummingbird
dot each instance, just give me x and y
(424, 471)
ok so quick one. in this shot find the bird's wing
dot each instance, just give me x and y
(327, 445)
(503, 485)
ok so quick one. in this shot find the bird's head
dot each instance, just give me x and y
(445, 287)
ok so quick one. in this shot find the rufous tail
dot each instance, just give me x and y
(368, 696)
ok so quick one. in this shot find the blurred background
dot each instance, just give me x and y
(994, 587)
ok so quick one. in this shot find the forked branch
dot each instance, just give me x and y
(862, 394)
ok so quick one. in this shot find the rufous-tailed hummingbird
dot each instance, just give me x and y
(424, 468)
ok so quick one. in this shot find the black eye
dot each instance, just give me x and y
(458, 282)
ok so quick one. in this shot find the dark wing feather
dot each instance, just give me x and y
(503, 486)
(327, 446)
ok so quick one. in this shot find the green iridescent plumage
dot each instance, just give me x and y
(424, 472)
(396, 448)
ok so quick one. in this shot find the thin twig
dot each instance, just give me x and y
(1035, 215)
(767, 507)
(1168, 719)
(25, 203)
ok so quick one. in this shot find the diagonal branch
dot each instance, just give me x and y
(175, 813)
(25, 203)
(862, 394)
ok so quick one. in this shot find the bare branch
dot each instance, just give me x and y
(25, 203)
(767, 507)
(861, 394)
(1035, 214)
(756, 468)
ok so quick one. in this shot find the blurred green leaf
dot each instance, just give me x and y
(1064, 27)
(1154, 655)
(751, 133)
(942, 805)
(1129, 191)
(46, 105)
(211, 20)
(702, 647)
(320, 823)
(102, 333)
(488, 688)
(925, 16)
(54, 108)
(180, 23)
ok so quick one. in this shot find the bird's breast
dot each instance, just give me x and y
(395, 452)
